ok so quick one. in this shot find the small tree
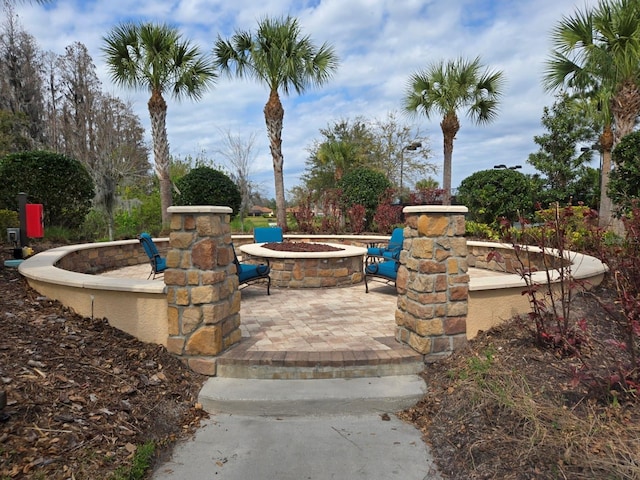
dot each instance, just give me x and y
(624, 182)
(60, 183)
(206, 186)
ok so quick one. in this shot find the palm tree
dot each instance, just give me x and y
(444, 88)
(596, 55)
(155, 57)
(277, 56)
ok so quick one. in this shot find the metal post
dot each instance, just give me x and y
(22, 215)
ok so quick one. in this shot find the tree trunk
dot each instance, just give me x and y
(158, 113)
(605, 212)
(274, 115)
(450, 126)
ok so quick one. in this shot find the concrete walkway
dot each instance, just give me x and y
(305, 429)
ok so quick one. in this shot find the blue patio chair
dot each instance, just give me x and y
(158, 263)
(392, 249)
(249, 273)
(386, 270)
(267, 234)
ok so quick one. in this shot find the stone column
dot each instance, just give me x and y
(202, 286)
(433, 281)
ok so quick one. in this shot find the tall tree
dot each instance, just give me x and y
(595, 53)
(558, 158)
(443, 89)
(155, 57)
(278, 56)
(385, 145)
(20, 77)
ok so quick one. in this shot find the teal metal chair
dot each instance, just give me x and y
(267, 234)
(158, 263)
(386, 270)
(249, 273)
(391, 250)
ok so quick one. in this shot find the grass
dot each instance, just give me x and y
(139, 464)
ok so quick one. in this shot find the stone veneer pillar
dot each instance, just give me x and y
(202, 286)
(433, 281)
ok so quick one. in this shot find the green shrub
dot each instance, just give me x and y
(8, 219)
(492, 194)
(60, 183)
(481, 231)
(206, 186)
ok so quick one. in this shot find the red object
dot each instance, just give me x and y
(35, 220)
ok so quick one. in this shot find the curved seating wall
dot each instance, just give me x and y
(139, 307)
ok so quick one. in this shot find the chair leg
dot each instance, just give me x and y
(268, 285)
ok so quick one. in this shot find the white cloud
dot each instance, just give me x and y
(380, 43)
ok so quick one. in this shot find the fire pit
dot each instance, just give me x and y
(309, 266)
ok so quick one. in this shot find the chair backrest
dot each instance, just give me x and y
(267, 234)
(397, 239)
(149, 247)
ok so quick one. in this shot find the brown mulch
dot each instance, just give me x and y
(82, 396)
(503, 408)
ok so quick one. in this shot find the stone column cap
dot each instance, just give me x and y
(435, 209)
(200, 209)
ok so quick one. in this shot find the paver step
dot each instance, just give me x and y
(311, 397)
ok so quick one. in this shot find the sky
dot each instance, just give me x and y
(380, 43)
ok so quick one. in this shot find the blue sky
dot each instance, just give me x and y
(380, 44)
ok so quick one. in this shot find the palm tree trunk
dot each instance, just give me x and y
(450, 126)
(158, 114)
(274, 115)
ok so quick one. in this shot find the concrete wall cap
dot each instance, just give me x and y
(435, 209)
(200, 209)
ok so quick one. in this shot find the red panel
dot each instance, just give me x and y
(35, 220)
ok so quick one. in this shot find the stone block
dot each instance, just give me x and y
(434, 225)
(182, 296)
(230, 324)
(203, 254)
(420, 344)
(418, 310)
(203, 365)
(459, 247)
(176, 222)
(225, 256)
(459, 293)
(441, 283)
(189, 222)
(422, 248)
(181, 240)
(455, 325)
(431, 266)
(175, 345)
(441, 345)
(185, 260)
(191, 318)
(232, 339)
(173, 258)
(175, 277)
(173, 320)
(205, 341)
(455, 309)
(441, 254)
(429, 328)
(210, 277)
(193, 277)
(205, 294)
